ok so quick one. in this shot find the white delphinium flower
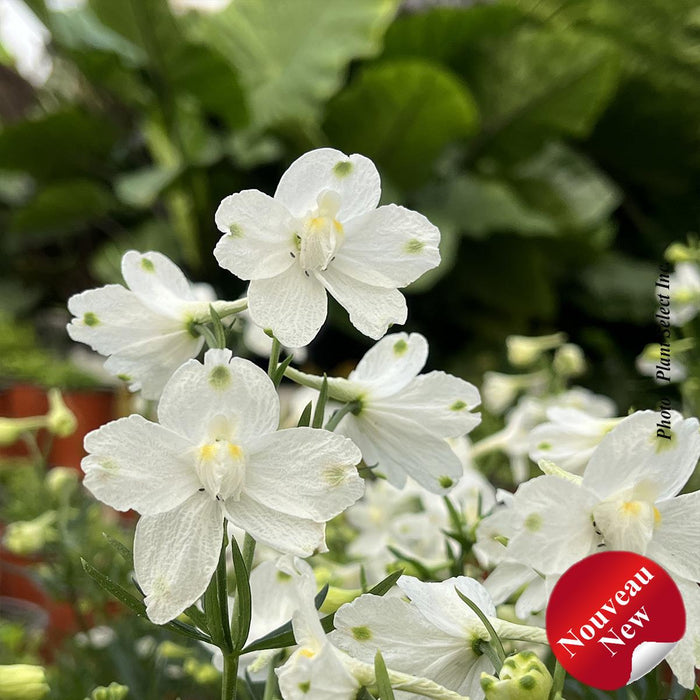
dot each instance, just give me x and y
(146, 328)
(626, 500)
(434, 635)
(322, 232)
(646, 363)
(569, 437)
(400, 420)
(499, 390)
(684, 284)
(216, 453)
(530, 411)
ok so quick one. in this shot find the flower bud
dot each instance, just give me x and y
(23, 682)
(522, 677)
(114, 691)
(524, 350)
(60, 420)
(677, 253)
(499, 391)
(11, 429)
(569, 361)
(337, 597)
(60, 482)
(27, 537)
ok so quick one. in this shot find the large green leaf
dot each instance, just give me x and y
(62, 144)
(62, 208)
(292, 56)
(402, 114)
(537, 83)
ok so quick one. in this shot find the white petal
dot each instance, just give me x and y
(198, 396)
(685, 656)
(639, 456)
(507, 578)
(175, 555)
(259, 235)
(372, 309)
(557, 527)
(292, 305)
(437, 401)
(675, 543)
(148, 365)
(391, 363)
(440, 604)
(157, 281)
(403, 447)
(354, 178)
(315, 468)
(111, 318)
(285, 533)
(626, 525)
(133, 463)
(388, 247)
(408, 641)
(316, 676)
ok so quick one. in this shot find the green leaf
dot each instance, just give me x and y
(281, 367)
(216, 605)
(305, 418)
(536, 82)
(317, 421)
(243, 598)
(115, 589)
(121, 549)
(65, 207)
(382, 678)
(291, 56)
(141, 188)
(68, 143)
(402, 114)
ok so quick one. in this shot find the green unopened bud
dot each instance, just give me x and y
(61, 482)
(337, 597)
(569, 361)
(114, 691)
(522, 677)
(23, 682)
(11, 429)
(60, 420)
(524, 350)
(201, 673)
(677, 253)
(27, 537)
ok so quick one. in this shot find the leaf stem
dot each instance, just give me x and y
(558, 681)
(274, 357)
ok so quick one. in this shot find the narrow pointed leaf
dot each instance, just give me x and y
(382, 678)
(281, 367)
(243, 598)
(305, 418)
(121, 549)
(321, 404)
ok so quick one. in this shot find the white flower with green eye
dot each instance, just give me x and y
(323, 232)
(627, 500)
(146, 328)
(216, 453)
(401, 419)
(434, 634)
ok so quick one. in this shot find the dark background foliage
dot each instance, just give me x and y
(555, 143)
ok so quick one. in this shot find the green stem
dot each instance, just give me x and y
(558, 682)
(230, 676)
(274, 356)
(340, 414)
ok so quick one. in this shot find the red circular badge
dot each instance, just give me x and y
(612, 617)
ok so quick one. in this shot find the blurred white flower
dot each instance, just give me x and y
(401, 419)
(646, 363)
(526, 350)
(684, 291)
(216, 453)
(499, 390)
(569, 437)
(147, 329)
(322, 232)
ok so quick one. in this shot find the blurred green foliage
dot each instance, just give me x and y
(555, 142)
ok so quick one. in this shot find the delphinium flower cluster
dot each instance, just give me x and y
(233, 545)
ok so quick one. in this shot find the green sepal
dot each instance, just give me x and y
(381, 675)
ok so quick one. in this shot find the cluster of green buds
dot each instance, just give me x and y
(522, 677)
(113, 691)
(59, 421)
